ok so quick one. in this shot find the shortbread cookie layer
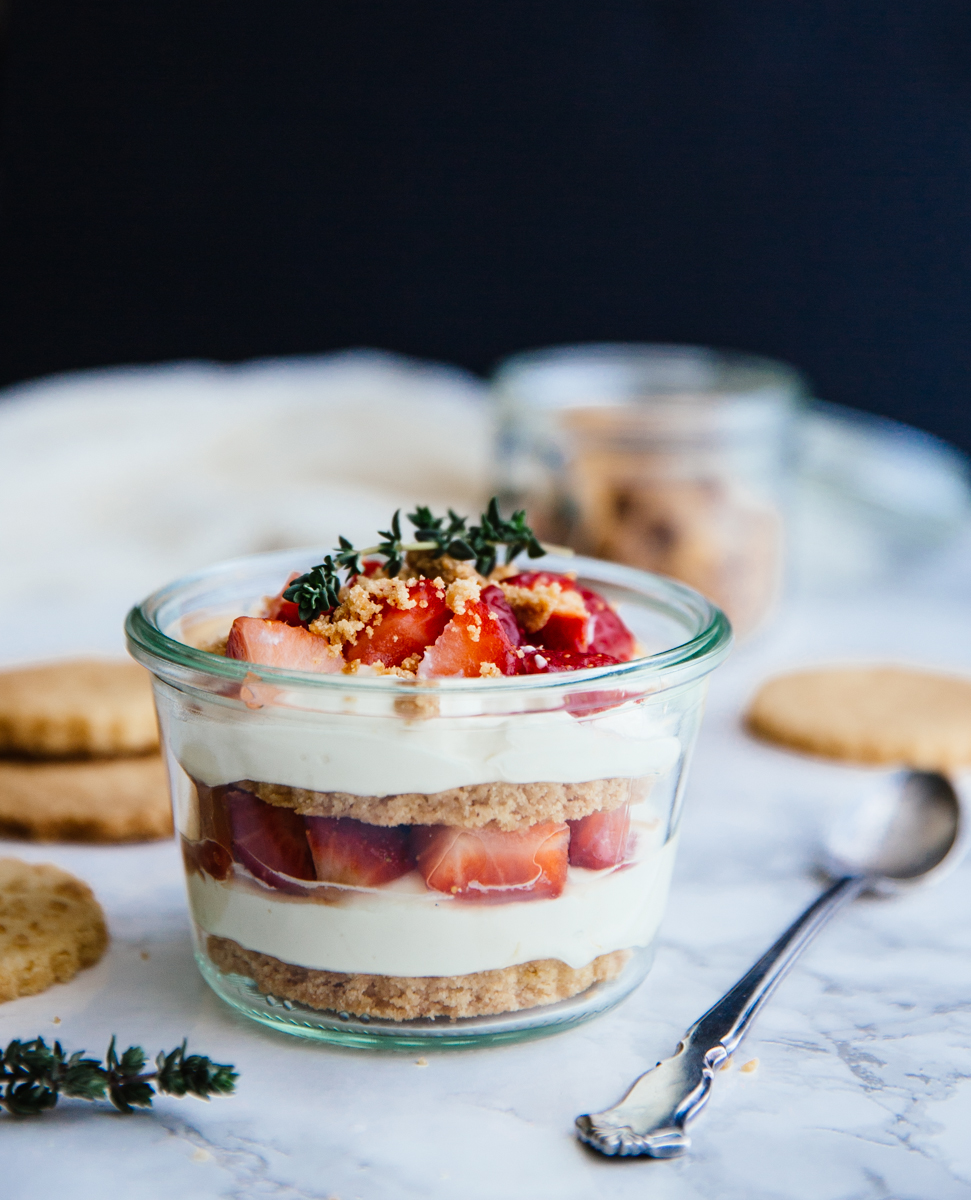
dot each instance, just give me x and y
(508, 806)
(51, 926)
(111, 800)
(78, 709)
(869, 715)
(401, 998)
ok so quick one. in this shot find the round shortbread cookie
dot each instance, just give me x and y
(84, 708)
(112, 800)
(51, 927)
(869, 715)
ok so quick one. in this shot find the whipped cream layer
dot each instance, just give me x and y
(368, 755)
(403, 929)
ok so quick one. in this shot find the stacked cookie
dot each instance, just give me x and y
(79, 754)
(51, 927)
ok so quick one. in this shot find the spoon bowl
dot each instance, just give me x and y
(902, 834)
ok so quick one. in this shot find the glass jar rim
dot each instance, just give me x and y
(677, 377)
(699, 654)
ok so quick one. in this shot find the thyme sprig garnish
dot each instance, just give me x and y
(318, 591)
(34, 1076)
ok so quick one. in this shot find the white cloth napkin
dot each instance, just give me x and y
(115, 482)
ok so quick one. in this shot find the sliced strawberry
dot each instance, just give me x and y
(402, 632)
(351, 852)
(495, 599)
(608, 633)
(600, 632)
(487, 864)
(271, 842)
(565, 631)
(277, 644)
(278, 609)
(601, 839)
(207, 856)
(538, 660)
(213, 817)
(469, 641)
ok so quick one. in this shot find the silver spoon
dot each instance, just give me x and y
(908, 831)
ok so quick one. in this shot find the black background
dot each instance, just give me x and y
(459, 181)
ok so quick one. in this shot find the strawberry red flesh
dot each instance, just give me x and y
(495, 600)
(540, 661)
(600, 840)
(469, 641)
(565, 631)
(277, 644)
(491, 865)
(271, 842)
(601, 632)
(351, 852)
(608, 633)
(278, 609)
(208, 856)
(402, 632)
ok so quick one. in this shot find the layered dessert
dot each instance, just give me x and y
(478, 818)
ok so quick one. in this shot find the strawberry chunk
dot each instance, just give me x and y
(213, 817)
(541, 661)
(471, 640)
(608, 633)
(601, 631)
(401, 632)
(601, 839)
(488, 864)
(277, 644)
(207, 856)
(352, 852)
(279, 609)
(271, 842)
(494, 598)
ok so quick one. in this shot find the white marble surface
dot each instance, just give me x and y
(863, 1087)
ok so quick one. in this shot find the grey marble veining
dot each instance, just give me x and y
(863, 1084)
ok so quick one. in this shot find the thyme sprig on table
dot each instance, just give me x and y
(318, 591)
(34, 1076)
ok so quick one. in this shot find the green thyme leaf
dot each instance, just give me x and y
(318, 591)
(34, 1076)
(349, 558)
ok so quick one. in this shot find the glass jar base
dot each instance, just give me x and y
(429, 1033)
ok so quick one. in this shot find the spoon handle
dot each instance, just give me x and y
(652, 1116)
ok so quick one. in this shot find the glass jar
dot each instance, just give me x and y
(669, 458)
(265, 763)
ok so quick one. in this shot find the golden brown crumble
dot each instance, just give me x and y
(417, 707)
(489, 670)
(448, 569)
(534, 606)
(361, 608)
(461, 592)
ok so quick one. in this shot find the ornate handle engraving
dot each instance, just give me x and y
(652, 1117)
